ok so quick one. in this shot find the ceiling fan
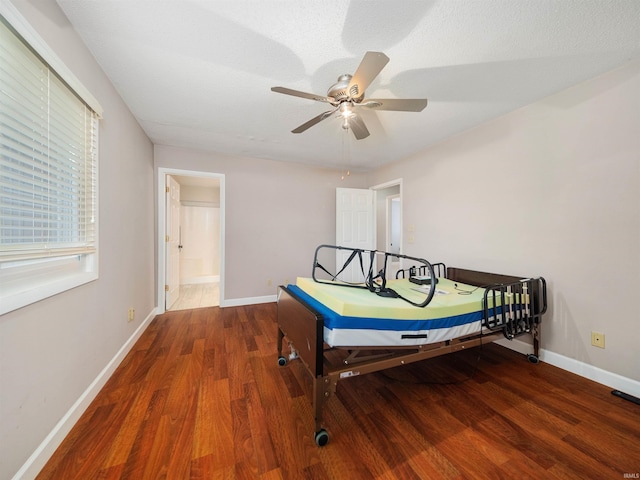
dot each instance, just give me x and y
(347, 95)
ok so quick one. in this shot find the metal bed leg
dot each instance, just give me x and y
(535, 356)
(321, 435)
(282, 360)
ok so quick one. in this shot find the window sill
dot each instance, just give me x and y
(20, 288)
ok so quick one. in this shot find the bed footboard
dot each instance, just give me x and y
(521, 305)
(304, 329)
(513, 305)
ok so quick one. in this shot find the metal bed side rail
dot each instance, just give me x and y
(376, 282)
(515, 308)
(440, 270)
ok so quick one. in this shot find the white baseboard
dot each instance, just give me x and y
(45, 450)
(238, 302)
(598, 375)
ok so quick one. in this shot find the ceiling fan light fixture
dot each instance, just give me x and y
(345, 110)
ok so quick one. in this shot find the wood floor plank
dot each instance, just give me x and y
(430, 463)
(362, 460)
(607, 447)
(201, 396)
(180, 445)
(137, 460)
(111, 473)
(242, 439)
(213, 430)
(263, 446)
(201, 468)
(126, 435)
(523, 442)
(275, 474)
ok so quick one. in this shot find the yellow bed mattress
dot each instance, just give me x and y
(357, 317)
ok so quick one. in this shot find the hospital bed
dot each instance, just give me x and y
(378, 323)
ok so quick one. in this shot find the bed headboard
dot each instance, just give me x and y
(479, 279)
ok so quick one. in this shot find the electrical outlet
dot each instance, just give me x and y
(269, 282)
(132, 314)
(597, 339)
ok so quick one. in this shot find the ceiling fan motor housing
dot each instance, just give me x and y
(340, 93)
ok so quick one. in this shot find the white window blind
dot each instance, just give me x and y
(48, 167)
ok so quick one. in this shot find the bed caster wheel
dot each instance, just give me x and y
(282, 361)
(322, 438)
(533, 358)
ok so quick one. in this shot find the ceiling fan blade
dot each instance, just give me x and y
(395, 104)
(357, 126)
(297, 93)
(369, 68)
(313, 121)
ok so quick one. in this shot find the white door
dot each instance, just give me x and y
(355, 228)
(172, 271)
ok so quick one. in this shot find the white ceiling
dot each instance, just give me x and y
(198, 74)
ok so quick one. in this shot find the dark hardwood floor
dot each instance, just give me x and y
(201, 396)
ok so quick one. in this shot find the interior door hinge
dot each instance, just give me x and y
(167, 189)
(166, 288)
(166, 238)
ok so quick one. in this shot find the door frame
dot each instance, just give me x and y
(161, 231)
(173, 252)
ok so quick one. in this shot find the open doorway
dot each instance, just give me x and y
(389, 221)
(394, 217)
(190, 239)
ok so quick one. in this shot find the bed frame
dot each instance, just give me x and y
(303, 328)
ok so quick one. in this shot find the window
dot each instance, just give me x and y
(48, 177)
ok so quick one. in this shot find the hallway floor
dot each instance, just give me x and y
(197, 295)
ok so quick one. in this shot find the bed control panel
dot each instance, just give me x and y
(422, 280)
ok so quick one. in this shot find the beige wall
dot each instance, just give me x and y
(276, 214)
(51, 351)
(552, 189)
